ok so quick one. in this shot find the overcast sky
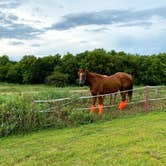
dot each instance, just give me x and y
(48, 27)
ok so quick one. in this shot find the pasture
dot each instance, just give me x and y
(25, 108)
(135, 140)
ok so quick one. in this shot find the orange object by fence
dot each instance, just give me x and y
(93, 107)
(122, 105)
(100, 109)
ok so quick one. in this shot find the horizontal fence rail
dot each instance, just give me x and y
(24, 112)
(142, 95)
(51, 100)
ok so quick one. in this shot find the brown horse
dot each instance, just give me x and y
(100, 85)
(126, 84)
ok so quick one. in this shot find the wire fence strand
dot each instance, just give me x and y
(156, 93)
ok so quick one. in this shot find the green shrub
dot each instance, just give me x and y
(14, 114)
(19, 114)
(58, 79)
(78, 117)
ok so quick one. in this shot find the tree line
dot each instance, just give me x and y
(61, 70)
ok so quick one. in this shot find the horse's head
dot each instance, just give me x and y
(82, 76)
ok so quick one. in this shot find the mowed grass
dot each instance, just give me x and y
(137, 140)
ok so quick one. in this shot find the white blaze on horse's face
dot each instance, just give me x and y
(82, 78)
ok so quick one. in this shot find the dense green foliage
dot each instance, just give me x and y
(62, 70)
(135, 141)
(20, 114)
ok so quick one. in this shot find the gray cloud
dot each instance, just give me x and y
(100, 29)
(18, 31)
(83, 41)
(7, 4)
(106, 17)
(9, 28)
(35, 45)
(7, 18)
(16, 43)
(145, 24)
(2, 16)
(12, 17)
(144, 46)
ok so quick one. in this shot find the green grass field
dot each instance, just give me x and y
(135, 140)
(19, 113)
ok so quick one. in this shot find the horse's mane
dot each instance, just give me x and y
(98, 75)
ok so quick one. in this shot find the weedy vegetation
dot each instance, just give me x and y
(19, 113)
(135, 140)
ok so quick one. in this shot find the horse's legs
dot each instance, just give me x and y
(123, 95)
(100, 106)
(113, 96)
(124, 101)
(130, 92)
(93, 107)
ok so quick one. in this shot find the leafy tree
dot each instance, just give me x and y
(5, 63)
(96, 61)
(58, 79)
(26, 66)
(4, 60)
(44, 67)
(70, 67)
(3, 72)
(59, 69)
(13, 74)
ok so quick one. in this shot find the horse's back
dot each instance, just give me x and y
(110, 84)
(123, 75)
(125, 79)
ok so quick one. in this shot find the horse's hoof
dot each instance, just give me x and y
(92, 110)
(122, 105)
(100, 110)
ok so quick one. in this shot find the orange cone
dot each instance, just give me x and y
(122, 105)
(93, 107)
(100, 109)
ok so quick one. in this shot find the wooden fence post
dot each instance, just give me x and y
(147, 99)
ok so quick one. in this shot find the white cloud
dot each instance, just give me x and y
(49, 27)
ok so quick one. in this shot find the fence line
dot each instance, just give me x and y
(51, 100)
(83, 97)
(146, 98)
(108, 94)
(130, 103)
(163, 98)
(86, 97)
(6, 93)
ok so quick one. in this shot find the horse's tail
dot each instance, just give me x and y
(130, 92)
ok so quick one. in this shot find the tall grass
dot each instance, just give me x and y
(135, 141)
(19, 114)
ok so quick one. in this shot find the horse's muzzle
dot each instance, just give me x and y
(82, 82)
